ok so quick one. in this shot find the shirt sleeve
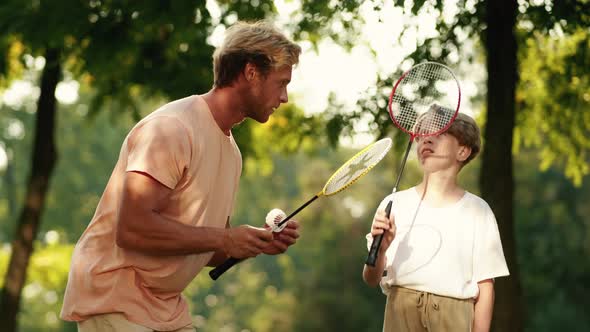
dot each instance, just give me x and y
(489, 261)
(160, 147)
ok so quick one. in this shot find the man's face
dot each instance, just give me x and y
(268, 93)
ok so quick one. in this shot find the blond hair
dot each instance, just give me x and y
(258, 43)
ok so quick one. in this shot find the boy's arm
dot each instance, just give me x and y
(386, 226)
(372, 275)
(484, 306)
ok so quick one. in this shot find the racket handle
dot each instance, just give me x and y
(220, 269)
(374, 252)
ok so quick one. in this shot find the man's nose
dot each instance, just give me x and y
(284, 97)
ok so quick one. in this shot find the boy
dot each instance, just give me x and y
(441, 247)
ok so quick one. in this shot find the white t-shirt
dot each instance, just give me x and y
(442, 250)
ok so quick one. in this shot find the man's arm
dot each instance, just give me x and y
(484, 306)
(220, 256)
(141, 228)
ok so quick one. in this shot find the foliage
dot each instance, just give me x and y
(319, 19)
(317, 285)
(553, 236)
(131, 51)
(553, 43)
(554, 99)
(160, 49)
(290, 130)
(46, 281)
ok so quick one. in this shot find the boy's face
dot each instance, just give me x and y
(442, 152)
(268, 92)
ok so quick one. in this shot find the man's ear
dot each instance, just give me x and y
(464, 153)
(250, 72)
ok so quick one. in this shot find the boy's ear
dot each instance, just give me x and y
(464, 153)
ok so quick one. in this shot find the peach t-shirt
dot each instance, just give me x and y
(181, 146)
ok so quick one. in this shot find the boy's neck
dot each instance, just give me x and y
(440, 189)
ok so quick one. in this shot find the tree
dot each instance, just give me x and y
(497, 178)
(44, 157)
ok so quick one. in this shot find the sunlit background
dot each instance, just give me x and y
(352, 52)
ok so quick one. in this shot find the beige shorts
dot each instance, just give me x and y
(117, 322)
(408, 310)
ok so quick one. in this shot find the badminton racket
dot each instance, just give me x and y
(352, 170)
(424, 102)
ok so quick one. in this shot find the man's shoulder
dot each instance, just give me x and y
(179, 107)
(185, 112)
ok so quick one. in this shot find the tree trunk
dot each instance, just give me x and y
(44, 158)
(496, 178)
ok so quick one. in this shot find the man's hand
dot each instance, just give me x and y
(284, 239)
(246, 241)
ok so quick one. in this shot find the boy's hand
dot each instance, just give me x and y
(383, 225)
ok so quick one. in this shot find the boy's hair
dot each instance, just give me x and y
(464, 128)
(466, 131)
(259, 43)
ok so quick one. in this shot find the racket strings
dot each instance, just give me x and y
(434, 120)
(425, 99)
(357, 166)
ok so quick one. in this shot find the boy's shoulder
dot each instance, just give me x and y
(402, 195)
(474, 200)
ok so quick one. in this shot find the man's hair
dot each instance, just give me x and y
(258, 43)
(466, 131)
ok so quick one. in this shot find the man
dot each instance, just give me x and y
(165, 211)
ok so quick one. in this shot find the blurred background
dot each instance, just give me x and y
(76, 75)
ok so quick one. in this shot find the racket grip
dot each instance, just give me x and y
(374, 252)
(220, 269)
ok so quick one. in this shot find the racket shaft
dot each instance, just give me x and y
(220, 269)
(298, 210)
(374, 252)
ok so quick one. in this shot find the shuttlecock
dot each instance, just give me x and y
(273, 218)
